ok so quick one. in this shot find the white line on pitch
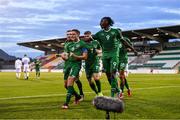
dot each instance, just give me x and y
(54, 95)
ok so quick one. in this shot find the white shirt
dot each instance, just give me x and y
(25, 60)
(18, 63)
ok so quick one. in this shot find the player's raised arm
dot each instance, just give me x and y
(125, 42)
(99, 48)
(95, 41)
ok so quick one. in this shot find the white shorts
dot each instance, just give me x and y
(18, 70)
(80, 73)
(26, 68)
(126, 71)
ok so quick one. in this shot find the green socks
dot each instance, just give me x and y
(98, 84)
(126, 84)
(79, 84)
(70, 92)
(93, 87)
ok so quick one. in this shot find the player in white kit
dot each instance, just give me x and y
(26, 61)
(18, 65)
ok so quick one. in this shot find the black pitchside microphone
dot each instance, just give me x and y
(108, 104)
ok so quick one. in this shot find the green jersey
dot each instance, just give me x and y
(77, 48)
(92, 55)
(73, 66)
(123, 56)
(37, 64)
(109, 41)
(66, 44)
(122, 53)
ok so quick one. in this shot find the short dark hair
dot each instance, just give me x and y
(109, 19)
(68, 30)
(119, 29)
(87, 32)
(76, 30)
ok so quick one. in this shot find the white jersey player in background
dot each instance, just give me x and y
(26, 61)
(18, 66)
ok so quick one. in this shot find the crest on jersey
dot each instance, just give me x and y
(72, 49)
(107, 37)
(120, 45)
(95, 46)
(77, 45)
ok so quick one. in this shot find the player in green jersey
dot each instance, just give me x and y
(77, 52)
(123, 63)
(64, 54)
(92, 63)
(37, 64)
(109, 40)
(67, 66)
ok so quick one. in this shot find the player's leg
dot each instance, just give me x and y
(127, 86)
(25, 77)
(24, 71)
(66, 72)
(122, 75)
(36, 73)
(96, 76)
(122, 82)
(113, 70)
(70, 89)
(27, 72)
(79, 85)
(106, 68)
(39, 73)
(101, 68)
(126, 70)
(89, 78)
(126, 82)
(122, 68)
(18, 73)
(107, 65)
(74, 72)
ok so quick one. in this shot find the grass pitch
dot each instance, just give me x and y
(153, 97)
